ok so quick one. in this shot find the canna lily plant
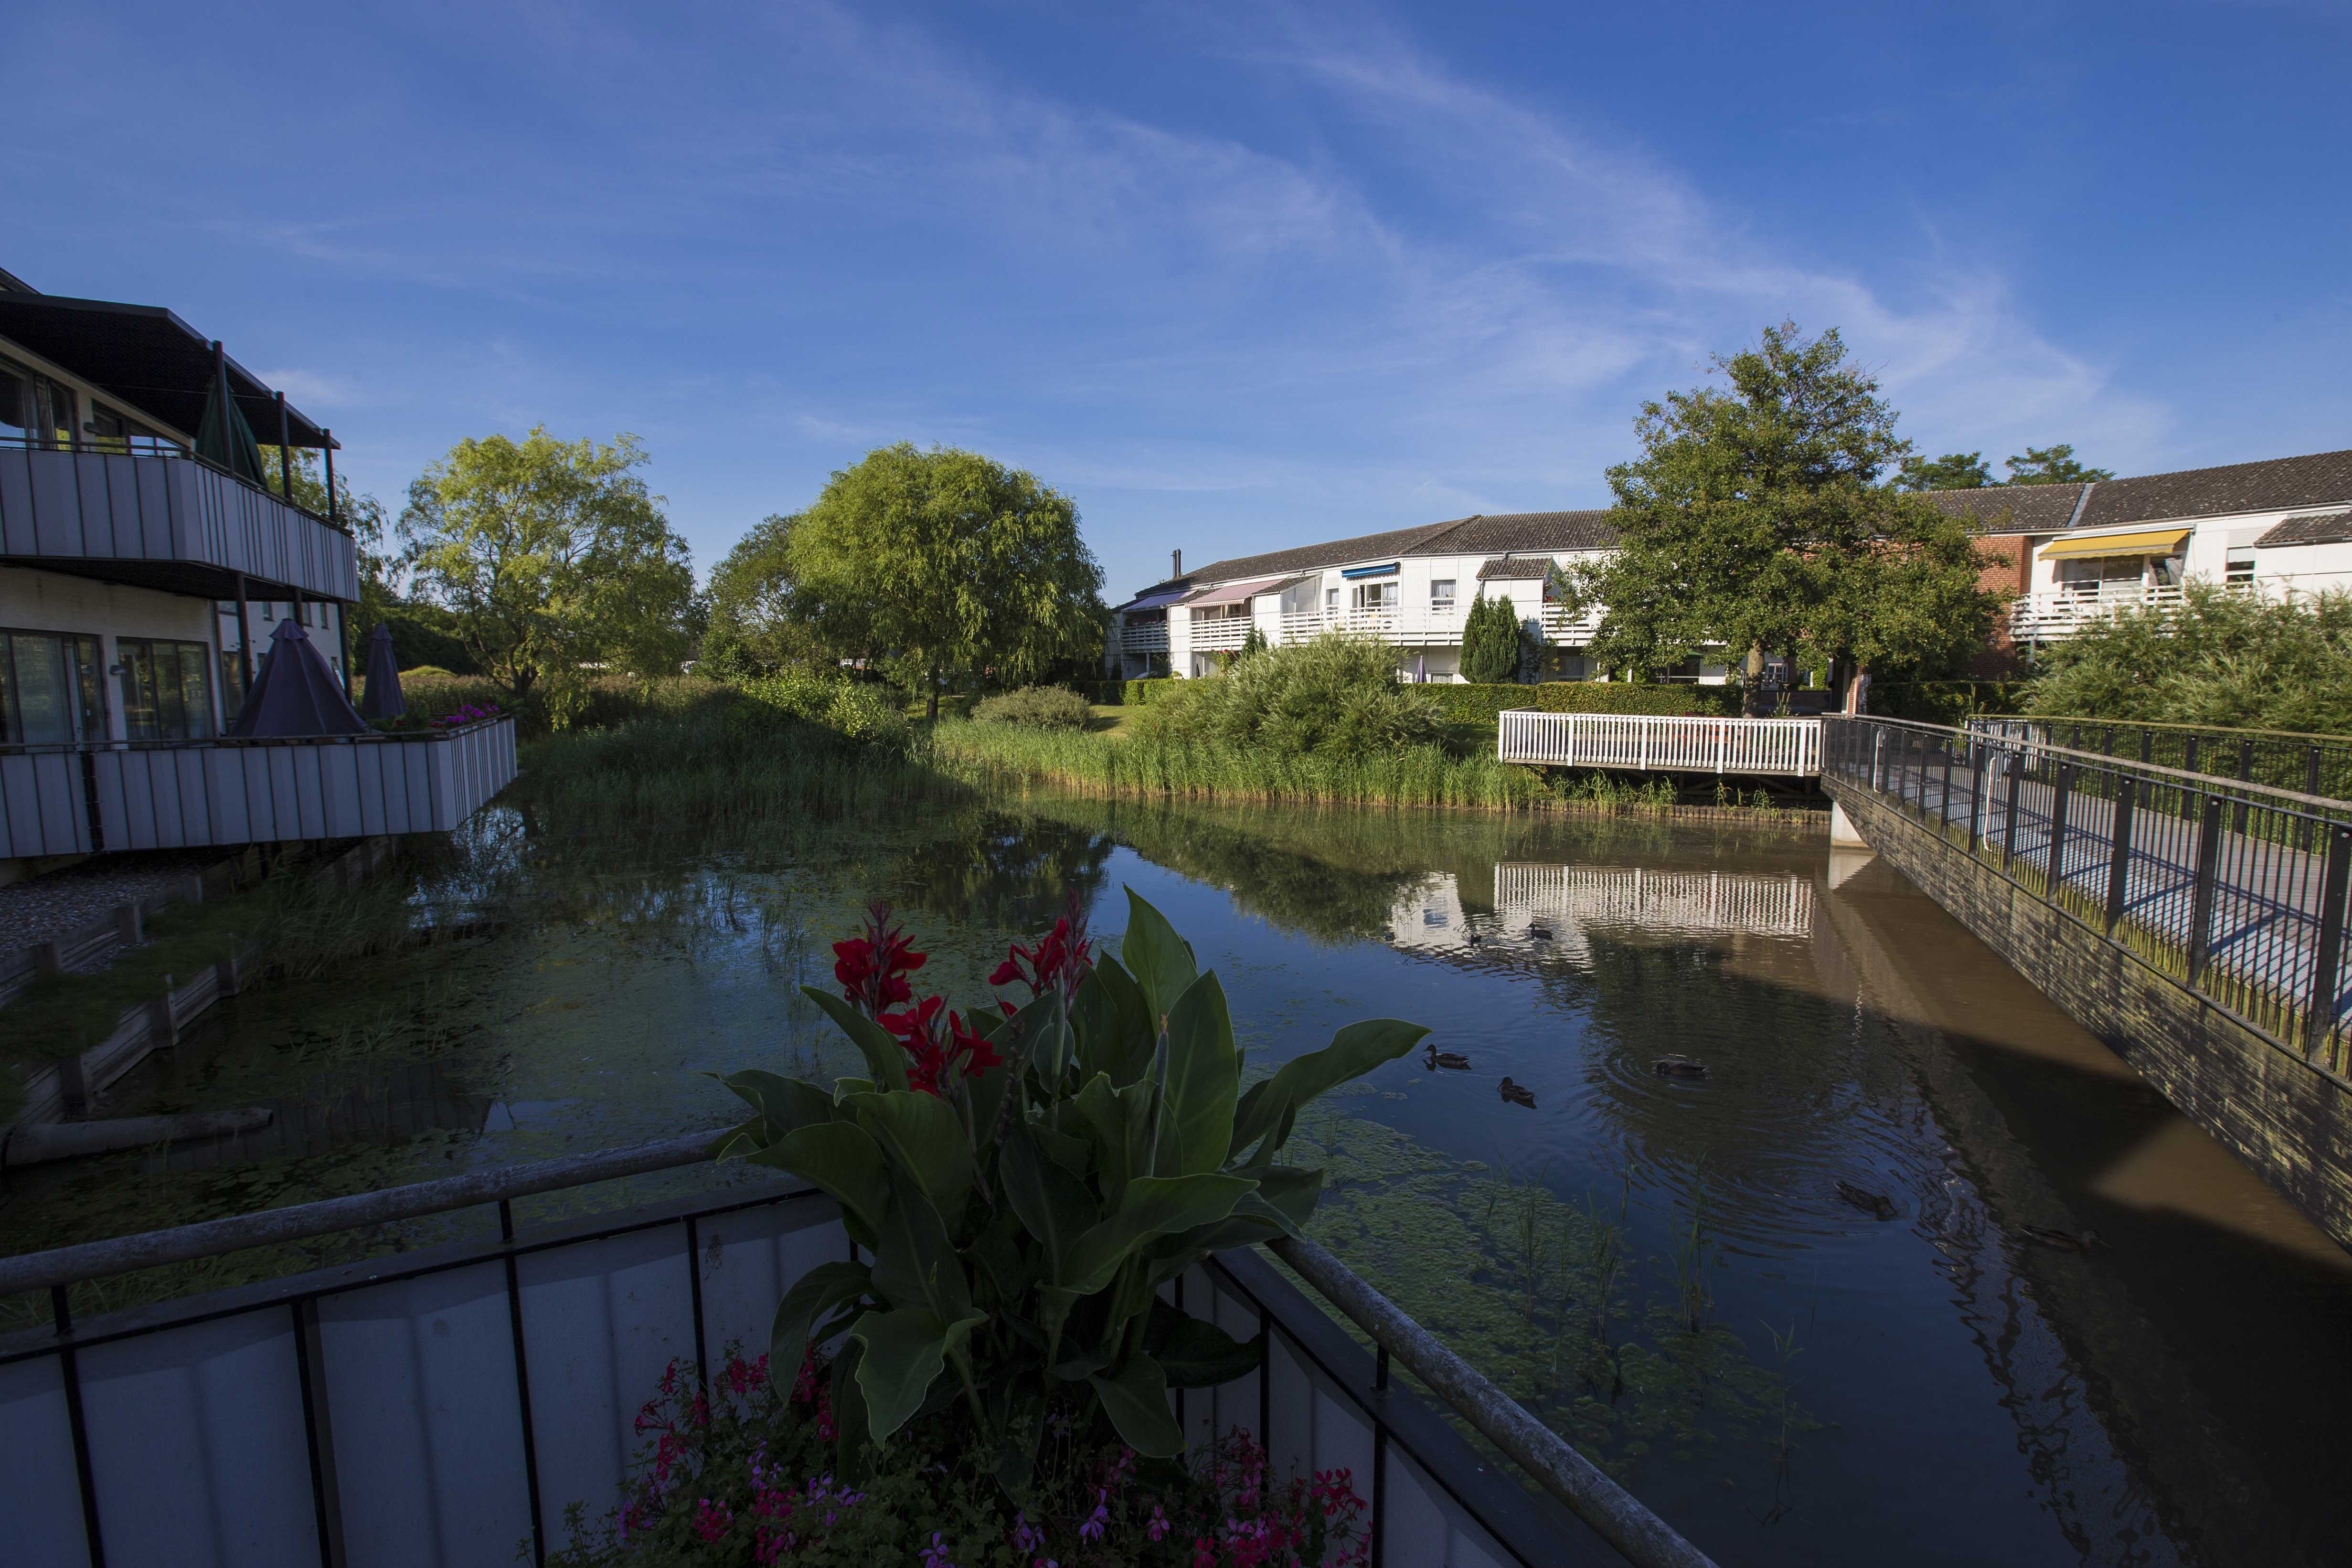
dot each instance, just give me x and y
(1020, 1183)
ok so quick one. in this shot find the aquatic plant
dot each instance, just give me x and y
(1023, 1181)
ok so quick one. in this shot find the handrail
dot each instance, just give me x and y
(168, 451)
(2211, 783)
(365, 738)
(2156, 724)
(1609, 1510)
(1600, 1503)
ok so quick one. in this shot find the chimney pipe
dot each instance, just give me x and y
(1175, 563)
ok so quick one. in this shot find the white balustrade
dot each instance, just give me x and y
(2061, 612)
(1789, 747)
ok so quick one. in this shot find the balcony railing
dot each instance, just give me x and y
(1145, 637)
(2061, 612)
(149, 795)
(1224, 632)
(1414, 625)
(101, 503)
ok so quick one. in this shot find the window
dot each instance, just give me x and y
(1375, 597)
(1330, 602)
(166, 692)
(1441, 593)
(111, 431)
(1299, 598)
(2238, 570)
(49, 690)
(33, 410)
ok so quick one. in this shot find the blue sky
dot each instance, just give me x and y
(1233, 277)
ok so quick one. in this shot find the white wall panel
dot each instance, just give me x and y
(40, 1499)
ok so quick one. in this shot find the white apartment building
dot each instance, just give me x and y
(2069, 554)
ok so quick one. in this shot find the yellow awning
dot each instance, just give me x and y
(2155, 541)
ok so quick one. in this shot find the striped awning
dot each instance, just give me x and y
(1236, 592)
(2152, 541)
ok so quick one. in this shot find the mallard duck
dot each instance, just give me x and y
(1475, 939)
(1452, 1061)
(1540, 933)
(1678, 1067)
(2064, 1240)
(1876, 1203)
(1518, 1095)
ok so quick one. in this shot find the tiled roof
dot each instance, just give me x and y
(1521, 568)
(2274, 485)
(2010, 508)
(1305, 558)
(1504, 533)
(2319, 528)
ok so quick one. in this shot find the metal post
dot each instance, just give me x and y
(2119, 838)
(245, 641)
(328, 438)
(2246, 776)
(285, 452)
(2189, 765)
(2326, 967)
(2200, 897)
(1944, 796)
(2009, 817)
(78, 1431)
(2062, 792)
(1977, 764)
(2148, 745)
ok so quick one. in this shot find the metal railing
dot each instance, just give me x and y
(1780, 747)
(163, 447)
(2278, 759)
(441, 1404)
(2234, 890)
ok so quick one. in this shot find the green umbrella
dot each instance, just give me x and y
(224, 438)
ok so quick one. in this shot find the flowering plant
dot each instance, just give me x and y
(418, 723)
(1022, 1178)
(740, 1470)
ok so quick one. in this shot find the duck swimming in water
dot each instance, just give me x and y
(1452, 1060)
(1518, 1095)
(1876, 1203)
(2063, 1240)
(1678, 1067)
(1540, 933)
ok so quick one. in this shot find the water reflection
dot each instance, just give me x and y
(1935, 1386)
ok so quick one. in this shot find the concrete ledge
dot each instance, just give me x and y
(2288, 1120)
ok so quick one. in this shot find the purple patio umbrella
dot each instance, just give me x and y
(296, 693)
(383, 698)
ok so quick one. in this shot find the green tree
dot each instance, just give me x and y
(1757, 519)
(937, 563)
(752, 628)
(554, 559)
(2051, 465)
(1952, 471)
(1490, 641)
(2221, 658)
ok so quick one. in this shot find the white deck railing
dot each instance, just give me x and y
(2063, 612)
(1765, 746)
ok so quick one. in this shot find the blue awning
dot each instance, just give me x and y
(1154, 600)
(1355, 572)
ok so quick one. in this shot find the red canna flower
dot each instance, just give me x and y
(872, 968)
(1060, 960)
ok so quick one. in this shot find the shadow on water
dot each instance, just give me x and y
(1681, 1273)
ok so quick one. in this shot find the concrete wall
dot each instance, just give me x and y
(2290, 1122)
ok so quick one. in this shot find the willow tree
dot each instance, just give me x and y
(1759, 518)
(555, 560)
(940, 563)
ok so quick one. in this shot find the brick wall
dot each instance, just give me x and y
(2291, 1123)
(2008, 576)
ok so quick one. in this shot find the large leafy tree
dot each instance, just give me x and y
(939, 562)
(1757, 519)
(554, 559)
(754, 629)
(2051, 465)
(1952, 471)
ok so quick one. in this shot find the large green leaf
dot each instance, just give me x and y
(1054, 1206)
(925, 1136)
(1152, 1205)
(915, 1264)
(814, 1296)
(853, 1441)
(1161, 961)
(1099, 1112)
(1137, 1402)
(1034, 1037)
(1116, 1038)
(1196, 1122)
(884, 1058)
(784, 1102)
(1354, 1050)
(1193, 1353)
(906, 1351)
(841, 1158)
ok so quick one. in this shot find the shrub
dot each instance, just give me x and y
(1337, 697)
(1660, 700)
(1490, 642)
(2221, 659)
(859, 711)
(1022, 1178)
(1039, 707)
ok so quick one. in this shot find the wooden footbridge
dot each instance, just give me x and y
(1783, 748)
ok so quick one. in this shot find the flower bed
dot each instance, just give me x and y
(415, 722)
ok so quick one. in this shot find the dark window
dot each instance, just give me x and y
(49, 689)
(165, 693)
(111, 431)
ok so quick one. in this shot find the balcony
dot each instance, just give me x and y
(87, 798)
(164, 520)
(1144, 637)
(2055, 614)
(1568, 629)
(1223, 632)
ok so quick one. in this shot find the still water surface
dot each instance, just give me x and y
(1667, 1269)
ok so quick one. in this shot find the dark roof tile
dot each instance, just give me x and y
(1507, 569)
(2318, 528)
(2010, 508)
(1503, 533)
(1307, 558)
(2274, 485)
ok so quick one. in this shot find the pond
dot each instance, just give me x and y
(1817, 1305)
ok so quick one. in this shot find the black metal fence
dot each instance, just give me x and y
(2303, 764)
(2235, 890)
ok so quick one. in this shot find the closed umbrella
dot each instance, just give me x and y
(383, 698)
(224, 439)
(296, 692)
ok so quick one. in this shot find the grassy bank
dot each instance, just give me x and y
(1099, 762)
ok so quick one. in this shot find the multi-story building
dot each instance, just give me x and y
(2066, 554)
(142, 550)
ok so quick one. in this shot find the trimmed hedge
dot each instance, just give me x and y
(1948, 701)
(1472, 704)
(1123, 694)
